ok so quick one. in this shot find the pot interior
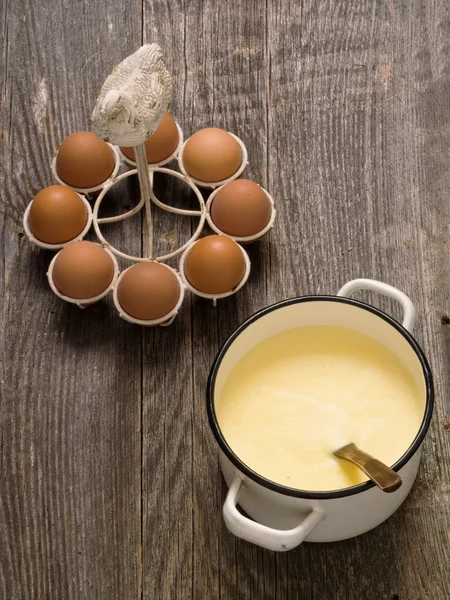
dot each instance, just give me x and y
(323, 311)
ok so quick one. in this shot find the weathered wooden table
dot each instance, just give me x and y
(109, 484)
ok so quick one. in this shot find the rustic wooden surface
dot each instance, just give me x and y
(109, 483)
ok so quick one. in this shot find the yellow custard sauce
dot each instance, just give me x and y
(300, 394)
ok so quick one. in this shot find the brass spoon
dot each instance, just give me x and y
(382, 475)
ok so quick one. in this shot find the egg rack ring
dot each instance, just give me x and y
(197, 213)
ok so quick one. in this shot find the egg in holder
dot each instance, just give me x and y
(214, 267)
(85, 163)
(83, 273)
(242, 214)
(161, 148)
(148, 298)
(131, 124)
(51, 222)
(223, 152)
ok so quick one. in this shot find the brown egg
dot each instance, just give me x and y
(241, 208)
(214, 265)
(83, 270)
(84, 160)
(161, 144)
(148, 291)
(57, 215)
(211, 155)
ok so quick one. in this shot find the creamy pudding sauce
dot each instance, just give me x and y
(300, 394)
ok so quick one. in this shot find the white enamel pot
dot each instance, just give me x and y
(283, 517)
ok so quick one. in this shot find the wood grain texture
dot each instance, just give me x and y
(70, 500)
(109, 484)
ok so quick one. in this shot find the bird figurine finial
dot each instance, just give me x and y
(134, 98)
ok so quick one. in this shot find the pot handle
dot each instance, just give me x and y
(409, 312)
(261, 535)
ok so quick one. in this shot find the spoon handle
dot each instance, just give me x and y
(384, 477)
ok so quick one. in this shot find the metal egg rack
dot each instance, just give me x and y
(145, 173)
(202, 213)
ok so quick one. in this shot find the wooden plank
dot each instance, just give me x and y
(357, 109)
(70, 409)
(219, 80)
